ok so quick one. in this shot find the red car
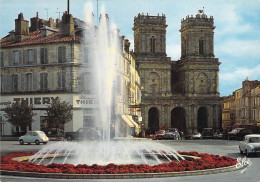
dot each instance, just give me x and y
(160, 134)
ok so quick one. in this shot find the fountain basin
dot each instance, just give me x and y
(196, 164)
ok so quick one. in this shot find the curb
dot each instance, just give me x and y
(118, 176)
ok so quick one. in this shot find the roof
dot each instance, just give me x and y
(35, 38)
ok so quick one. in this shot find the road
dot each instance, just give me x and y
(218, 147)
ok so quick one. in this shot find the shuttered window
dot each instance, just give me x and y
(30, 56)
(2, 59)
(28, 82)
(16, 58)
(62, 81)
(14, 83)
(44, 82)
(44, 56)
(62, 54)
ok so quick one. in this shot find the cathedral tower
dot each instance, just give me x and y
(150, 37)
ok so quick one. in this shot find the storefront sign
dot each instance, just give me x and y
(36, 100)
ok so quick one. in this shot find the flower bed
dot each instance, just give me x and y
(206, 161)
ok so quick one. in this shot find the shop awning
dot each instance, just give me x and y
(131, 119)
(128, 121)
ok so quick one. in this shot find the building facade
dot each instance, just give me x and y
(46, 60)
(242, 107)
(181, 94)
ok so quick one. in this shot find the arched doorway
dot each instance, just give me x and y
(178, 119)
(153, 120)
(202, 119)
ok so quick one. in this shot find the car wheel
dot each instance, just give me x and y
(69, 138)
(37, 142)
(241, 152)
(21, 142)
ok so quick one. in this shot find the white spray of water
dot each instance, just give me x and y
(103, 56)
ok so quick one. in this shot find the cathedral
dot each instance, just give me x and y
(182, 93)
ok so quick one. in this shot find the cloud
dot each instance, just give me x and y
(240, 74)
(239, 48)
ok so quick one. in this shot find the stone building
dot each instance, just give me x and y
(243, 106)
(46, 60)
(181, 94)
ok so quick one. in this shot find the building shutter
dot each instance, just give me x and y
(42, 56)
(46, 56)
(59, 80)
(9, 83)
(64, 80)
(64, 54)
(10, 58)
(22, 82)
(24, 57)
(59, 54)
(20, 57)
(35, 56)
(4, 81)
(35, 83)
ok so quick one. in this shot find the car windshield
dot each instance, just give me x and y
(159, 132)
(173, 130)
(254, 140)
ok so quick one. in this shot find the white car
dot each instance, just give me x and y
(250, 144)
(36, 137)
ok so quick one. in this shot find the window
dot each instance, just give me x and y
(43, 81)
(28, 82)
(88, 121)
(87, 83)
(152, 43)
(16, 58)
(2, 59)
(30, 56)
(201, 51)
(14, 83)
(61, 80)
(44, 56)
(62, 54)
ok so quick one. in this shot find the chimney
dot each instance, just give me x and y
(51, 23)
(35, 23)
(127, 45)
(67, 25)
(21, 28)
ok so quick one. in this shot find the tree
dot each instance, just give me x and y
(19, 114)
(59, 113)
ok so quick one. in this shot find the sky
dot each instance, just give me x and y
(237, 33)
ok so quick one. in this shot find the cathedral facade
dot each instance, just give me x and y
(181, 94)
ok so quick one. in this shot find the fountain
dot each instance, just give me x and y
(103, 56)
(103, 157)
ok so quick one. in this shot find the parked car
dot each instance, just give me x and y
(207, 133)
(196, 135)
(238, 133)
(84, 134)
(36, 137)
(172, 133)
(160, 134)
(250, 145)
(218, 135)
